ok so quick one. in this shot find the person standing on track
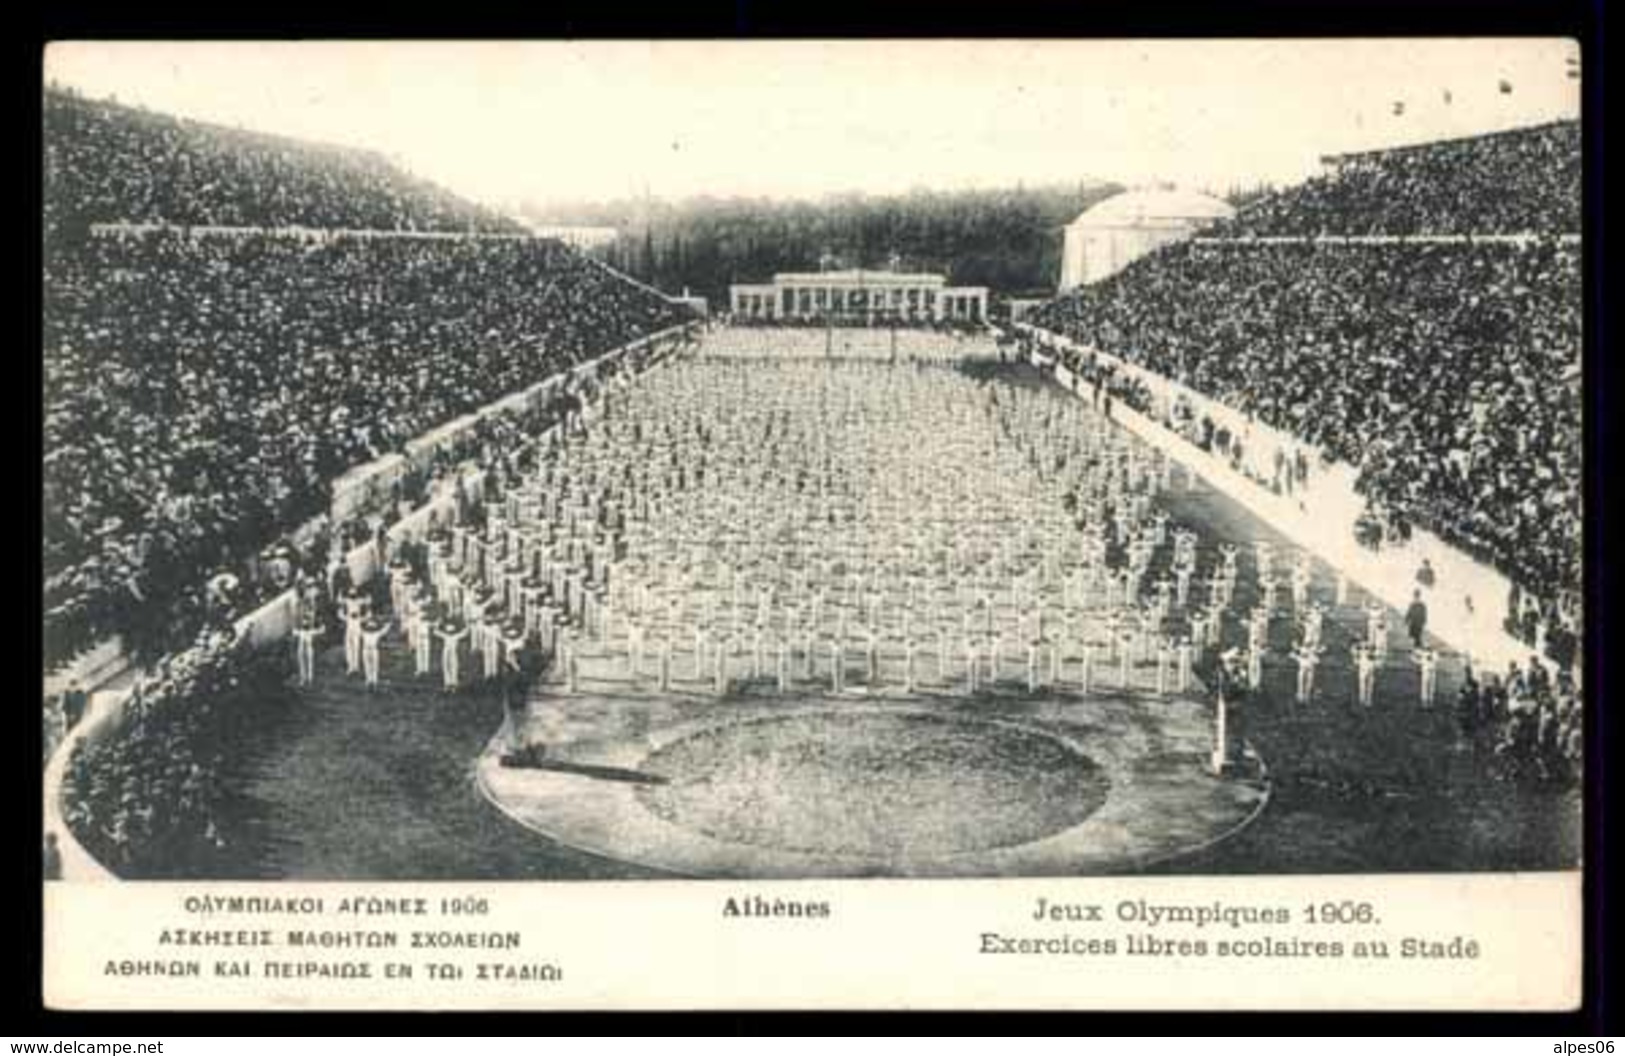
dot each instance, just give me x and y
(423, 635)
(1416, 618)
(1427, 664)
(1308, 657)
(1425, 577)
(305, 636)
(355, 612)
(1365, 670)
(372, 633)
(451, 634)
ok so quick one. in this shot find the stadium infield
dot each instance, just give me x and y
(384, 785)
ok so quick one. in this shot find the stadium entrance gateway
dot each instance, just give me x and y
(858, 295)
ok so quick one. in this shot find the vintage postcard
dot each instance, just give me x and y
(851, 524)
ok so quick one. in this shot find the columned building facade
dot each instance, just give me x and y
(870, 296)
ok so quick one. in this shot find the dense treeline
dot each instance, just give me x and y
(1007, 239)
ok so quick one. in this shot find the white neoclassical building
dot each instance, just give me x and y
(858, 294)
(1125, 227)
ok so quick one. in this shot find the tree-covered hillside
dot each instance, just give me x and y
(1008, 239)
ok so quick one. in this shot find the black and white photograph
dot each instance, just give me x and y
(811, 461)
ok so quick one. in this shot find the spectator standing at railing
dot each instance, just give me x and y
(379, 537)
(338, 573)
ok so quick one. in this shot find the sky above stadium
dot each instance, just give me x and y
(506, 122)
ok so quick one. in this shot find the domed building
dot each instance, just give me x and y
(1125, 227)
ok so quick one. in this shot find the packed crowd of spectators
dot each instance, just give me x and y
(202, 392)
(109, 163)
(1283, 468)
(1441, 371)
(144, 800)
(1525, 181)
(1104, 384)
(1534, 720)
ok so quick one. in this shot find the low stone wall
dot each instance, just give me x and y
(97, 666)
